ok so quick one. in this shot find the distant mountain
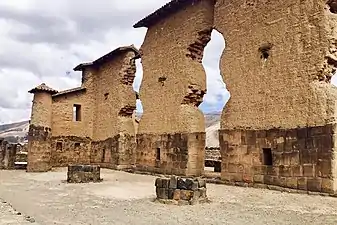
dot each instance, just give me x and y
(17, 132)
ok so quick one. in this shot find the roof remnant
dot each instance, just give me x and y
(165, 11)
(43, 88)
(73, 90)
(107, 57)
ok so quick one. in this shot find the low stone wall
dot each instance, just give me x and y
(181, 191)
(83, 173)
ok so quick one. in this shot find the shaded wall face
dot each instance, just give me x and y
(63, 123)
(284, 83)
(173, 77)
(114, 97)
(70, 150)
(299, 158)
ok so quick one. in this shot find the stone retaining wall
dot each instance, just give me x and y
(181, 191)
(83, 173)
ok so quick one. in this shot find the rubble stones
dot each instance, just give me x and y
(181, 191)
(83, 173)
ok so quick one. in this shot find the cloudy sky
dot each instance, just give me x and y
(41, 41)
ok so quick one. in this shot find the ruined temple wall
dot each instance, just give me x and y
(172, 88)
(67, 150)
(39, 151)
(63, 123)
(174, 79)
(278, 126)
(114, 132)
(284, 90)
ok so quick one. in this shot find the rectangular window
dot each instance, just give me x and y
(158, 154)
(58, 146)
(267, 157)
(77, 112)
(77, 145)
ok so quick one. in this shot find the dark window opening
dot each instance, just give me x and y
(267, 157)
(77, 145)
(332, 6)
(59, 146)
(77, 112)
(158, 154)
(103, 155)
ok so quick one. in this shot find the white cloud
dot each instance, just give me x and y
(42, 41)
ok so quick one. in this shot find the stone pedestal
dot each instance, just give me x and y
(83, 173)
(181, 191)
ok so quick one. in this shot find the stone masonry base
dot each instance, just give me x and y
(300, 158)
(181, 191)
(83, 174)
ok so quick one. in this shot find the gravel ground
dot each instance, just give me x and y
(124, 198)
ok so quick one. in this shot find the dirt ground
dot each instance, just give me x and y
(123, 198)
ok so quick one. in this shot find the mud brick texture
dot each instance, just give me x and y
(83, 173)
(301, 158)
(176, 154)
(181, 191)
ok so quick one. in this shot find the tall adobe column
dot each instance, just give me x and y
(171, 133)
(39, 148)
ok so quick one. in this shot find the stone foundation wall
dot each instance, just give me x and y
(83, 173)
(7, 155)
(181, 191)
(299, 158)
(70, 150)
(39, 151)
(179, 154)
(116, 152)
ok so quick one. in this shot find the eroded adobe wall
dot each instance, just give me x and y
(67, 132)
(277, 65)
(173, 85)
(115, 102)
(39, 134)
(289, 88)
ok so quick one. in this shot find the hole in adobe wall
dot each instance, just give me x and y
(265, 51)
(215, 98)
(267, 157)
(332, 6)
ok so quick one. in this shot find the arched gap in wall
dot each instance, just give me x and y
(215, 98)
(136, 85)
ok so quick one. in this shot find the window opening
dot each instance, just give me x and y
(77, 112)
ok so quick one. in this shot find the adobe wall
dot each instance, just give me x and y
(39, 134)
(173, 86)
(114, 132)
(68, 132)
(277, 65)
(63, 123)
(290, 88)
